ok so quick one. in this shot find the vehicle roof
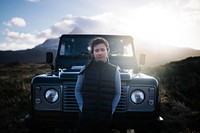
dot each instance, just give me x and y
(95, 35)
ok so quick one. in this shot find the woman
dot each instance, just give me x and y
(98, 89)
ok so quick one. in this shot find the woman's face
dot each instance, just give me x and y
(100, 52)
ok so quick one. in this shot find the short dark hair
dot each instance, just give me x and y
(97, 40)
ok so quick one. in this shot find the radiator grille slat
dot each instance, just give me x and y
(121, 107)
(69, 100)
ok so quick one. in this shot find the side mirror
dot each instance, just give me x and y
(142, 59)
(141, 63)
(49, 59)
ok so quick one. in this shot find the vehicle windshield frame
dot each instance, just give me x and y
(78, 45)
(82, 57)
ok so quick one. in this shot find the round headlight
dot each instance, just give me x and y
(51, 95)
(137, 96)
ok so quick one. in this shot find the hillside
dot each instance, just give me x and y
(158, 54)
(155, 54)
(180, 89)
(179, 92)
(34, 55)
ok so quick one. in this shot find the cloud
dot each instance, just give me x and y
(19, 37)
(15, 46)
(104, 23)
(191, 11)
(147, 22)
(19, 41)
(16, 21)
(192, 5)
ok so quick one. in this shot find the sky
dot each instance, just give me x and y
(25, 24)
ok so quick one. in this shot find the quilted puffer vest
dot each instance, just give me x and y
(98, 90)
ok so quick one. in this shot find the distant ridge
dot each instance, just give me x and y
(159, 55)
(154, 55)
(34, 55)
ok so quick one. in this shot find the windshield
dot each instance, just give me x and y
(119, 46)
(73, 51)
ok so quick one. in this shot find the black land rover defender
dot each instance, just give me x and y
(53, 102)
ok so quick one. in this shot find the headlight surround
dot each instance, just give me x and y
(51, 95)
(137, 96)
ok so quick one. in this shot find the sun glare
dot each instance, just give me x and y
(155, 25)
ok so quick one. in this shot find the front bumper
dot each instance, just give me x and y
(119, 120)
(136, 120)
(51, 119)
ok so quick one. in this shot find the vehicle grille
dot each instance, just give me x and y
(69, 100)
(121, 107)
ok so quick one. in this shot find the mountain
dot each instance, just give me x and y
(162, 54)
(77, 30)
(155, 54)
(35, 55)
(49, 44)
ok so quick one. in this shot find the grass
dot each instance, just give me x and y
(179, 110)
(15, 82)
(178, 117)
(179, 91)
(15, 90)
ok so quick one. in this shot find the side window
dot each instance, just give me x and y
(67, 47)
(120, 47)
(128, 50)
(62, 49)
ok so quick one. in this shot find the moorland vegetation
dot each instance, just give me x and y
(179, 92)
